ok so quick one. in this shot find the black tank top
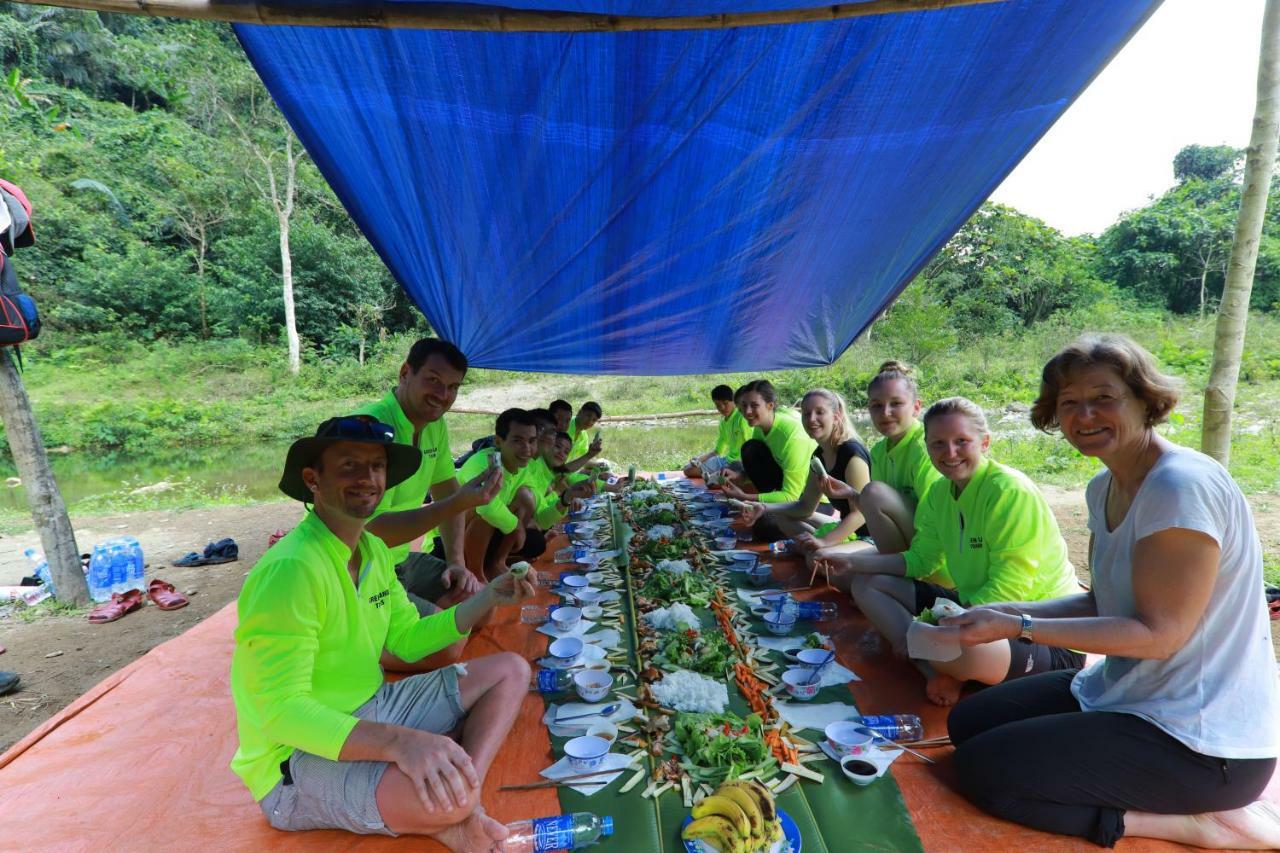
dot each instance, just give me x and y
(844, 452)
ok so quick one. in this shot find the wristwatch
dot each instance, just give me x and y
(1025, 635)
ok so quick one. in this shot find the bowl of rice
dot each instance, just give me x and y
(779, 622)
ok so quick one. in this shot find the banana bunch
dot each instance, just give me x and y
(740, 817)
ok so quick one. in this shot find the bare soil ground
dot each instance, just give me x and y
(61, 657)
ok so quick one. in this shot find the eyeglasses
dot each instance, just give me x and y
(358, 427)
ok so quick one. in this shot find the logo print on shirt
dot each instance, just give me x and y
(378, 599)
(976, 542)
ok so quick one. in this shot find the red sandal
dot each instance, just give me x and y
(119, 605)
(165, 596)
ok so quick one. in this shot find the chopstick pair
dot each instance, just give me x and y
(555, 783)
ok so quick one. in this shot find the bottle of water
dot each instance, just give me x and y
(100, 572)
(551, 681)
(119, 567)
(780, 547)
(135, 565)
(565, 832)
(900, 727)
(817, 611)
(40, 569)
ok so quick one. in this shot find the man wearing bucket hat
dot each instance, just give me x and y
(324, 743)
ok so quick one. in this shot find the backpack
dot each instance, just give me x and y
(19, 317)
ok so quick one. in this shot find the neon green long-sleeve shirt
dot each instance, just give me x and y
(539, 478)
(792, 448)
(436, 467)
(998, 540)
(308, 645)
(733, 433)
(906, 467)
(497, 511)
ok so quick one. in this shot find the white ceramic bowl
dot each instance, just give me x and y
(815, 658)
(760, 574)
(798, 684)
(593, 654)
(592, 685)
(744, 561)
(565, 650)
(566, 618)
(587, 595)
(848, 738)
(779, 623)
(594, 577)
(586, 753)
(574, 581)
(726, 543)
(592, 611)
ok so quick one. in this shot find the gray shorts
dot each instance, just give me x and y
(422, 576)
(317, 793)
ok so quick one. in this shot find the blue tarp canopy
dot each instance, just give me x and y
(681, 201)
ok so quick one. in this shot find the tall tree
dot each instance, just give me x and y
(1233, 313)
(47, 507)
(277, 184)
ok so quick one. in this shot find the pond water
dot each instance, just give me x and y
(105, 481)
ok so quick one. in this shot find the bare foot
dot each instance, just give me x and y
(943, 690)
(1254, 827)
(479, 833)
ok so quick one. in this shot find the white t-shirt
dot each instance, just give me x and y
(1218, 694)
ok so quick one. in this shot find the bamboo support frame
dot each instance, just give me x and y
(417, 15)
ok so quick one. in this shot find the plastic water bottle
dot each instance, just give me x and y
(781, 546)
(100, 572)
(900, 727)
(817, 611)
(551, 681)
(136, 565)
(565, 832)
(40, 569)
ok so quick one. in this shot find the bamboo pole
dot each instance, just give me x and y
(385, 14)
(607, 419)
(1233, 312)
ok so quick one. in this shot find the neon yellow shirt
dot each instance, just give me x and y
(998, 541)
(308, 644)
(792, 448)
(436, 467)
(734, 431)
(539, 478)
(497, 511)
(581, 441)
(907, 467)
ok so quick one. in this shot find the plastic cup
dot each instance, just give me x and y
(532, 614)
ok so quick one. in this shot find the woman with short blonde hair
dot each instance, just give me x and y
(1175, 733)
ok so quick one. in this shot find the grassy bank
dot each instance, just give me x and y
(107, 401)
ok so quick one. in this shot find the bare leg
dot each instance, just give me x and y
(1254, 827)
(492, 692)
(809, 498)
(792, 527)
(890, 521)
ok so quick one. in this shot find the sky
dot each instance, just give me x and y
(1188, 76)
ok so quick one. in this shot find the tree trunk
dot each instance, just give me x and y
(47, 509)
(1233, 313)
(290, 319)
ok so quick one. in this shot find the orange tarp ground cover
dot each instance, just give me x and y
(140, 761)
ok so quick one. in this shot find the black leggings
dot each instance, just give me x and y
(1027, 753)
(760, 467)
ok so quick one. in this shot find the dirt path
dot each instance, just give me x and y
(60, 657)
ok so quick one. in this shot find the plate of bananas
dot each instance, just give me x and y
(740, 817)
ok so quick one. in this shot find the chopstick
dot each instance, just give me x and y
(553, 783)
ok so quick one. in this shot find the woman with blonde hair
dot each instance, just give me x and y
(986, 529)
(839, 454)
(1175, 733)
